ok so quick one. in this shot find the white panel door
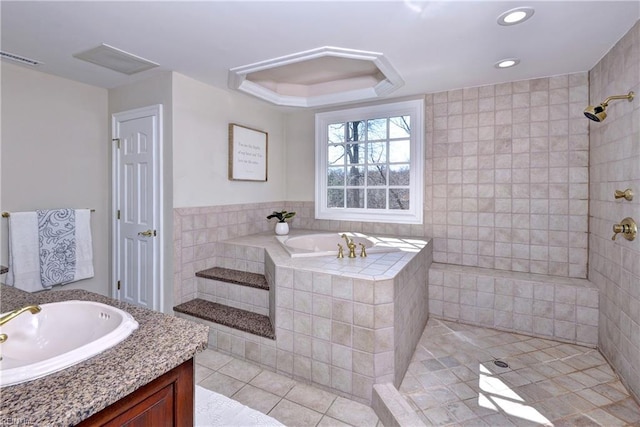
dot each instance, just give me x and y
(137, 207)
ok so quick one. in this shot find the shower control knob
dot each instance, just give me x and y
(627, 194)
(627, 227)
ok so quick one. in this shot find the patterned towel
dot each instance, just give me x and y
(57, 242)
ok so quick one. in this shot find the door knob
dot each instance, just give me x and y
(627, 227)
(147, 233)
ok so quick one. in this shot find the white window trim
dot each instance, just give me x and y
(415, 109)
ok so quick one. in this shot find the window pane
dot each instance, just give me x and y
(335, 198)
(399, 175)
(355, 198)
(377, 175)
(336, 132)
(376, 199)
(399, 127)
(335, 155)
(335, 176)
(355, 175)
(355, 131)
(377, 152)
(377, 129)
(399, 151)
(366, 164)
(399, 198)
(355, 154)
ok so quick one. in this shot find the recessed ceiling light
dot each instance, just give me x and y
(507, 63)
(515, 16)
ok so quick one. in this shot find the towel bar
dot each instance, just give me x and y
(7, 214)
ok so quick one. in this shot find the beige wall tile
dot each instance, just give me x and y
(613, 165)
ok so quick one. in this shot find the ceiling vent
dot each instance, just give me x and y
(19, 59)
(115, 59)
(318, 77)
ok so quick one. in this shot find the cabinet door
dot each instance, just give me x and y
(156, 410)
(166, 401)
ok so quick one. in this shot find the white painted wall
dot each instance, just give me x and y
(54, 151)
(3, 252)
(201, 116)
(300, 166)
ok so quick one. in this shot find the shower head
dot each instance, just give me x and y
(598, 113)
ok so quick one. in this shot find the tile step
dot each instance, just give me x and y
(237, 277)
(232, 317)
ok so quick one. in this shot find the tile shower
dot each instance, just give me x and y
(512, 172)
(615, 164)
(507, 174)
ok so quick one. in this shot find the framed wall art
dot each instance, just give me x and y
(247, 153)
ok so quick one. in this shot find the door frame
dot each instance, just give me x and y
(158, 165)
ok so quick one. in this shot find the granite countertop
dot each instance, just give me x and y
(65, 398)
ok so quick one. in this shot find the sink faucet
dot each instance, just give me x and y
(350, 245)
(3, 338)
(33, 309)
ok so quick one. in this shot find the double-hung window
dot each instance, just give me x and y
(369, 163)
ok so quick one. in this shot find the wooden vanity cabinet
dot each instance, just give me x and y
(166, 401)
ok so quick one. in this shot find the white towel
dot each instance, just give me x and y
(84, 248)
(24, 251)
(24, 259)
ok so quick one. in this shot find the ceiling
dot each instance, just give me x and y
(433, 46)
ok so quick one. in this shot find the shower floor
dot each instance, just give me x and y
(453, 380)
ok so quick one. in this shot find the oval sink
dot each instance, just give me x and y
(62, 334)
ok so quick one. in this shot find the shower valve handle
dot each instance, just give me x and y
(627, 194)
(627, 227)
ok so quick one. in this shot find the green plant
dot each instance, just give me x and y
(282, 216)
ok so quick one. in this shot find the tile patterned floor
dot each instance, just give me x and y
(290, 402)
(453, 381)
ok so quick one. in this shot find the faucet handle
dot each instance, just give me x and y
(340, 251)
(617, 228)
(363, 252)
